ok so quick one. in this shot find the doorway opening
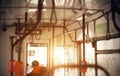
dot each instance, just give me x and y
(36, 51)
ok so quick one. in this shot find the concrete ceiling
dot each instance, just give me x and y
(66, 13)
(64, 9)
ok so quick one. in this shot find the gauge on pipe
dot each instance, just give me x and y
(18, 69)
(11, 64)
(83, 66)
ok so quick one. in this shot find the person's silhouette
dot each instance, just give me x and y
(37, 69)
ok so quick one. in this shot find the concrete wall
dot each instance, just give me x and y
(5, 50)
(110, 62)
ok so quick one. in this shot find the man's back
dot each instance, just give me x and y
(38, 70)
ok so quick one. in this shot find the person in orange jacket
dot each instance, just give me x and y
(37, 69)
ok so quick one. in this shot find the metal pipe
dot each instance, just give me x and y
(83, 28)
(68, 33)
(53, 33)
(79, 66)
(26, 5)
(49, 56)
(79, 56)
(98, 17)
(83, 25)
(45, 7)
(95, 46)
(112, 51)
(94, 29)
(64, 43)
(19, 50)
(100, 38)
(25, 35)
(26, 51)
(11, 43)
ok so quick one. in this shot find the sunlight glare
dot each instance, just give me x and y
(59, 55)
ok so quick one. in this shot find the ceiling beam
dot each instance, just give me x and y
(46, 7)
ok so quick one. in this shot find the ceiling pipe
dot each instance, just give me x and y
(45, 7)
(29, 32)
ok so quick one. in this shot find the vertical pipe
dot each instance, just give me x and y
(11, 42)
(94, 29)
(19, 51)
(51, 60)
(64, 44)
(26, 59)
(75, 35)
(53, 48)
(78, 53)
(79, 56)
(64, 36)
(95, 45)
(20, 42)
(87, 30)
(46, 45)
(39, 8)
(49, 57)
(83, 24)
(17, 29)
(26, 19)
